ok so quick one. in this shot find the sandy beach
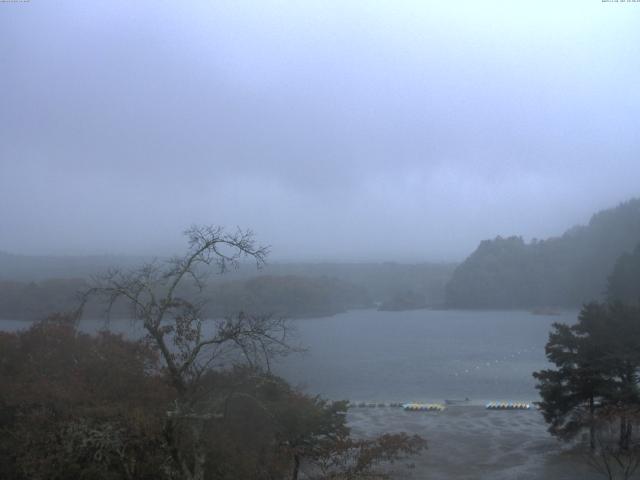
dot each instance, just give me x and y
(470, 442)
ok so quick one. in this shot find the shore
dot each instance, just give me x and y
(470, 442)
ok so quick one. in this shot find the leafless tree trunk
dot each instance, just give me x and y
(296, 467)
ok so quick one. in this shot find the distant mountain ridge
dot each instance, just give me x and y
(563, 271)
(382, 280)
(33, 268)
(33, 286)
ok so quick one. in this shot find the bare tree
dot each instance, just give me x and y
(188, 344)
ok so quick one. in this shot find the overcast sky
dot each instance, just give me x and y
(336, 130)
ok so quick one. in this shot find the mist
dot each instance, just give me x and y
(319, 239)
(394, 131)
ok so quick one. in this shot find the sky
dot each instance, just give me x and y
(336, 131)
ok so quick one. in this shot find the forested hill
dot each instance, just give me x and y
(561, 271)
(381, 283)
(33, 287)
(289, 296)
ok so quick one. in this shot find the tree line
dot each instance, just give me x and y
(566, 271)
(379, 282)
(595, 385)
(290, 296)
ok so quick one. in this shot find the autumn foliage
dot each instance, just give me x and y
(76, 406)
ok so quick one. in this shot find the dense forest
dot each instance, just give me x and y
(288, 296)
(564, 271)
(32, 287)
(624, 281)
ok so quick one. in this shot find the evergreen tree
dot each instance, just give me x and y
(570, 392)
(624, 281)
(597, 364)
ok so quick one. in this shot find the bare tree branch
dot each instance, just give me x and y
(175, 326)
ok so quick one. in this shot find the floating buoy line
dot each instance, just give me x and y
(508, 406)
(438, 407)
(423, 407)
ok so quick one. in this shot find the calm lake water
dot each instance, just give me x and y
(421, 355)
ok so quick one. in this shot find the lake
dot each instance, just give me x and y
(420, 355)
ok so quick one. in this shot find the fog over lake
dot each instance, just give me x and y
(422, 355)
(415, 206)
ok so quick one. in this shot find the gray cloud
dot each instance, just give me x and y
(386, 130)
